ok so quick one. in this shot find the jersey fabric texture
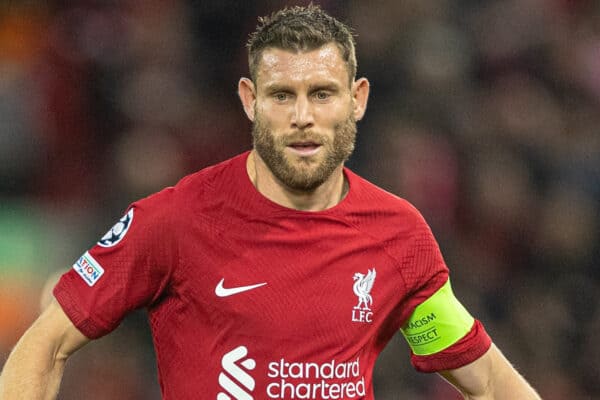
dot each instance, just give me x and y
(251, 300)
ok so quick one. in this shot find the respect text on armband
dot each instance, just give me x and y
(437, 323)
(426, 332)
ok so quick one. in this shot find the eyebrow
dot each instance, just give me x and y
(282, 87)
(277, 87)
(330, 86)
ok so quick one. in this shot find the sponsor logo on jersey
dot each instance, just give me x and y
(291, 380)
(363, 284)
(88, 268)
(118, 231)
(310, 380)
(226, 292)
(234, 379)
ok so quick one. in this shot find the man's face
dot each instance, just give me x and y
(304, 126)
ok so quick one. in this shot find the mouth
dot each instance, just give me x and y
(305, 149)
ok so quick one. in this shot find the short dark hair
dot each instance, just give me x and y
(300, 29)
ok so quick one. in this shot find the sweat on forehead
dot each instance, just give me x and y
(325, 60)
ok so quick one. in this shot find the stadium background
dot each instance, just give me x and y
(484, 114)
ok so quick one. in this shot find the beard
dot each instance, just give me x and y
(304, 173)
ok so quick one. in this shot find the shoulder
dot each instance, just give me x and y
(402, 232)
(380, 206)
(195, 188)
(160, 220)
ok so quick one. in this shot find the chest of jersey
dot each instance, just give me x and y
(307, 303)
(293, 279)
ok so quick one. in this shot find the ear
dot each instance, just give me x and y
(247, 96)
(360, 95)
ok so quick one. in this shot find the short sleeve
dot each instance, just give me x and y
(425, 272)
(129, 268)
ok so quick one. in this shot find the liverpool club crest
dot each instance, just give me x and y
(363, 283)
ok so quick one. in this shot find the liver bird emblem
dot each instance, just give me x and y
(362, 288)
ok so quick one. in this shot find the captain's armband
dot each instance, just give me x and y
(437, 323)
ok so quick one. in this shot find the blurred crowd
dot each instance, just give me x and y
(484, 114)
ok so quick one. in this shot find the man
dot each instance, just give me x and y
(278, 274)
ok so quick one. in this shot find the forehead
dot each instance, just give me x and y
(277, 65)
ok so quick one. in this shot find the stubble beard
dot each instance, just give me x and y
(304, 174)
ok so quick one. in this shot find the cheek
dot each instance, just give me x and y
(332, 116)
(273, 117)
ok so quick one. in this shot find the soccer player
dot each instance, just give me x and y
(277, 274)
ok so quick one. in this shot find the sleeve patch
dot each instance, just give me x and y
(437, 323)
(88, 268)
(118, 231)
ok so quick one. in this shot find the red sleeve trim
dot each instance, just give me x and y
(77, 316)
(468, 349)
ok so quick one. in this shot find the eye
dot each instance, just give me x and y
(280, 97)
(322, 95)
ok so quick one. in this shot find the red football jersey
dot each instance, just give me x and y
(251, 300)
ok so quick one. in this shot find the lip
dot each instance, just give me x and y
(304, 149)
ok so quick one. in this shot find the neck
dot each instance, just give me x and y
(327, 195)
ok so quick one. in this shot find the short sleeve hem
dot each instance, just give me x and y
(468, 349)
(78, 317)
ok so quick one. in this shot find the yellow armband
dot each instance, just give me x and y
(437, 323)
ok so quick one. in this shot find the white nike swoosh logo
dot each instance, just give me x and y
(224, 292)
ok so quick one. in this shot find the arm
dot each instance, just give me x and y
(35, 367)
(491, 377)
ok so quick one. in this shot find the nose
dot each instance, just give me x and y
(303, 116)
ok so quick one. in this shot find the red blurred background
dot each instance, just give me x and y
(484, 114)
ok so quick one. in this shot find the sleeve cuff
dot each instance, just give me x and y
(468, 349)
(78, 317)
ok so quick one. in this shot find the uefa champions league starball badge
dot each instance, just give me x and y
(118, 231)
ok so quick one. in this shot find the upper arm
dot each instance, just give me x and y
(490, 377)
(56, 328)
(35, 366)
(128, 269)
(474, 379)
